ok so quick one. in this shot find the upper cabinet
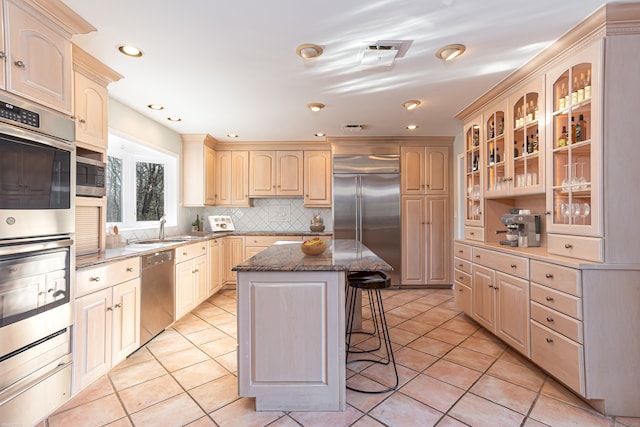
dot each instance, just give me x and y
(275, 173)
(198, 170)
(91, 98)
(317, 178)
(38, 64)
(232, 178)
(425, 170)
(473, 160)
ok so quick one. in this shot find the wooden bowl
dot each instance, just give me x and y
(315, 249)
(316, 228)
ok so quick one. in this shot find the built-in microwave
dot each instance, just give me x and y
(90, 177)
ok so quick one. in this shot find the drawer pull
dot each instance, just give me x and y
(460, 278)
(472, 233)
(550, 319)
(549, 298)
(94, 279)
(460, 265)
(478, 256)
(129, 269)
(109, 308)
(460, 290)
(184, 253)
(460, 251)
(118, 305)
(568, 245)
(490, 285)
(549, 340)
(514, 266)
(549, 276)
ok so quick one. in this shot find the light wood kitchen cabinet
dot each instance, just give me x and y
(425, 170)
(255, 244)
(232, 178)
(232, 255)
(462, 282)
(107, 318)
(425, 240)
(473, 161)
(90, 224)
(91, 99)
(215, 265)
(198, 170)
(275, 173)
(191, 284)
(317, 178)
(32, 40)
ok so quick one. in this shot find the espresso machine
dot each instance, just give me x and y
(523, 228)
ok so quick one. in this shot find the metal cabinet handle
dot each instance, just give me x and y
(3, 55)
(129, 269)
(549, 276)
(109, 308)
(568, 245)
(19, 64)
(549, 298)
(514, 266)
(549, 340)
(460, 251)
(478, 256)
(550, 319)
(471, 233)
(490, 285)
(83, 121)
(94, 279)
(119, 305)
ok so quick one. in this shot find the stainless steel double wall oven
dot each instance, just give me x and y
(37, 259)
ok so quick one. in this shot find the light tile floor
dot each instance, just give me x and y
(452, 373)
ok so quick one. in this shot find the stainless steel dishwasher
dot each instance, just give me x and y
(156, 295)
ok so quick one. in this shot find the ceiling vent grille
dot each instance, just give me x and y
(352, 127)
(382, 53)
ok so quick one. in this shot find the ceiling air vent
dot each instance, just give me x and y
(352, 127)
(382, 53)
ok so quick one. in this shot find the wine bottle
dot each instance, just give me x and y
(573, 130)
(474, 167)
(530, 145)
(581, 88)
(491, 158)
(497, 155)
(515, 148)
(535, 142)
(561, 104)
(587, 85)
(574, 90)
(583, 128)
(501, 126)
(562, 140)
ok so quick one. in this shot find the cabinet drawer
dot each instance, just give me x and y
(554, 276)
(558, 355)
(463, 278)
(567, 326)
(564, 303)
(587, 248)
(462, 297)
(187, 252)
(462, 251)
(462, 265)
(474, 233)
(92, 279)
(510, 264)
(267, 241)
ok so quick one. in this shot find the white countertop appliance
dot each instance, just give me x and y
(221, 223)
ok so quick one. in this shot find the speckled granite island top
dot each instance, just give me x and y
(341, 255)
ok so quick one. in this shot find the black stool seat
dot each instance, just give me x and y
(371, 282)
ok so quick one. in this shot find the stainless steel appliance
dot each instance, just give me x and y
(90, 177)
(526, 226)
(37, 157)
(366, 204)
(156, 294)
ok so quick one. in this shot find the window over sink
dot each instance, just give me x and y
(141, 184)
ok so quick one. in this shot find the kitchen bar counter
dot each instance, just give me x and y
(291, 325)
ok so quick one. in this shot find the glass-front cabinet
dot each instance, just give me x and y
(495, 150)
(473, 166)
(573, 192)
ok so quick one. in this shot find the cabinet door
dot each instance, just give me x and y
(462, 297)
(473, 161)
(437, 170)
(184, 289)
(193, 176)
(126, 320)
(413, 244)
(483, 296)
(233, 254)
(40, 60)
(494, 150)
(250, 251)
(91, 104)
(438, 238)
(412, 167)
(92, 337)
(223, 178)
(289, 173)
(209, 176)
(262, 173)
(215, 260)
(512, 311)
(317, 178)
(200, 283)
(239, 178)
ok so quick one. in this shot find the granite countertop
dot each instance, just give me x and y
(341, 255)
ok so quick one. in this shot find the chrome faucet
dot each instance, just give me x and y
(163, 220)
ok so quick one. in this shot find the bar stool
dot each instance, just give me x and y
(371, 282)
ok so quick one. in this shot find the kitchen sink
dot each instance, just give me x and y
(165, 240)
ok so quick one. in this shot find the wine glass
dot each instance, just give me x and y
(586, 210)
(575, 212)
(565, 211)
(566, 181)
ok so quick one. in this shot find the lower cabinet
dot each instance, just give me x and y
(215, 266)
(232, 255)
(107, 319)
(255, 244)
(191, 284)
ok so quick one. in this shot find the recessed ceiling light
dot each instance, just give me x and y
(155, 107)
(315, 106)
(451, 51)
(232, 135)
(410, 105)
(412, 127)
(129, 50)
(309, 51)
(174, 119)
(320, 134)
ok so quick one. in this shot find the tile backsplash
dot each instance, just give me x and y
(278, 215)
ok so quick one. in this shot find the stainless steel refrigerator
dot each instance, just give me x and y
(366, 204)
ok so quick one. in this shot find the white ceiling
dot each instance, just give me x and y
(231, 67)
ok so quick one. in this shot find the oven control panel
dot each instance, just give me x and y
(20, 115)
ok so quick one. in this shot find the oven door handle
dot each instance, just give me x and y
(35, 246)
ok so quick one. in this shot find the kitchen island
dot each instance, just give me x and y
(291, 324)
